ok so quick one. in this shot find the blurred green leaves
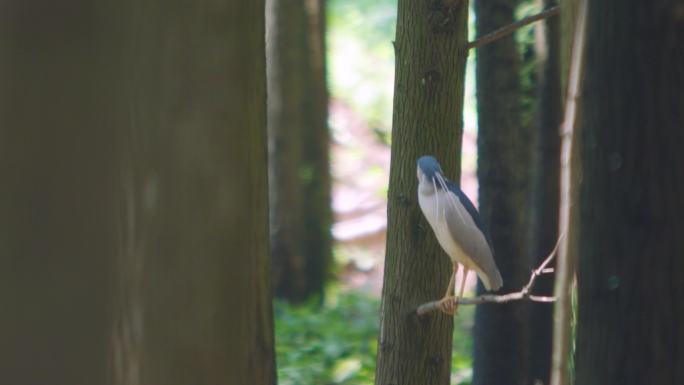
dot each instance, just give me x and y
(373, 21)
(361, 57)
(336, 342)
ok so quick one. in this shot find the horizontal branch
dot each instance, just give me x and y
(486, 298)
(523, 294)
(509, 29)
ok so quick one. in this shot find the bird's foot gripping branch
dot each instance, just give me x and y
(524, 294)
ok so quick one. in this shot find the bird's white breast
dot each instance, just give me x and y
(433, 207)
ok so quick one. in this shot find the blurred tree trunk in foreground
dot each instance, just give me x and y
(134, 221)
(300, 213)
(58, 201)
(501, 330)
(545, 189)
(430, 51)
(632, 213)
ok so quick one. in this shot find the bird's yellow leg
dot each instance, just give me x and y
(452, 281)
(446, 305)
(460, 292)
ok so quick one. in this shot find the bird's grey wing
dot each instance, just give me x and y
(472, 240)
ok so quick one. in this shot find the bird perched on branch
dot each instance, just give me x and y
(458, 228)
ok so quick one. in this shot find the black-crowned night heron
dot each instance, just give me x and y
(458, 228)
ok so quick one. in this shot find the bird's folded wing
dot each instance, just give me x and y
(472, 240)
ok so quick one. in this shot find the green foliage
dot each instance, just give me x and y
(336, 342)
(333, 343)
(525, 39)
(461, 354)
(361, 58)
(372, 21)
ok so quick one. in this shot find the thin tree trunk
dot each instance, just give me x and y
(501, 330)
(288, 67)
(545, 189)
(317, 212)
(631, 267)
(573, 27)
(134, 222)
(430, 50)
(300, 185)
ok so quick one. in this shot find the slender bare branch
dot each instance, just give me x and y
(524, 293)
(509, 29)
(540, 270)
(486, 298)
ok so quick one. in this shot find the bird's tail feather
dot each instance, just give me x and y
(492, 281)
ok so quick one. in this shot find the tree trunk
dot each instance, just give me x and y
(300, 209)
(430, 53)
(501, 330)
(631, 267)
(288, 66)
(572, 25)
(134, 214)
(58, 200)
(545, 190)
(316, 180)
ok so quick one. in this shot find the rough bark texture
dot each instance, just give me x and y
(631, 266)
(287, 68)
(428, 99)
(545, 191)
(501, 330)
(134, 222)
